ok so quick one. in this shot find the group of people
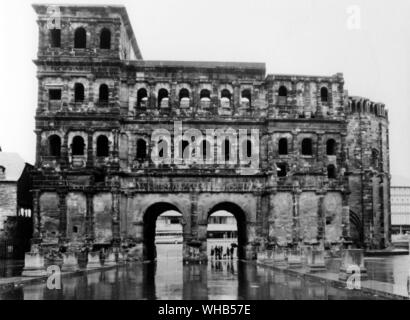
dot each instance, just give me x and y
(219, 252)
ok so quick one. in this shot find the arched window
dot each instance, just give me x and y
(142, 97)
(102, 146)
(77, 146)
(55, 38)
(331, 147)
(227, 149)
(226, 94)
(141, 149)
(105, 39)
(307, 149)
(163, 95)
(331, 171)
(283, 92)
(184, 98)
(205, 98)
(78, 92)
(103, 93)
(80, 38)
(324, 94)
(282, 95)
(54, 146)
(281, 170)
(183, 93)
(246, 98)
(205, 94)
(283, 146)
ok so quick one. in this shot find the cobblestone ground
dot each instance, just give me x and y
(170, 279)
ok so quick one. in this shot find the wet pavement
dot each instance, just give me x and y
(170, 279)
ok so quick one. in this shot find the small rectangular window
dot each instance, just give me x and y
(54, 94)
(55, 35)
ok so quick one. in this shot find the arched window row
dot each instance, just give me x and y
(80, 38)
(77, 146)
(306, 147)
(184, 97)
(362, 106)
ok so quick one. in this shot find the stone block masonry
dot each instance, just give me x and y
(323, 174)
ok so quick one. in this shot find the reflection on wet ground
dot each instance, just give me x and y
(170, 279)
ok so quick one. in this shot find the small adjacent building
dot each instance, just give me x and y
(16, 205)
(400, 209)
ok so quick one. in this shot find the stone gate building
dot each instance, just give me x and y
(322, 173)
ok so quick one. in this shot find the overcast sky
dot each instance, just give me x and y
(292, 36)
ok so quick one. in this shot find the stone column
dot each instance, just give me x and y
(89, 151)
(36, 217)
(89, 218)
(195, 100)
(116, 216)
(38, 147)
(345, 217)
(195, 247)
(236, 98)
(296, 217)
(62, 193)
(64, 152)
(321, 223)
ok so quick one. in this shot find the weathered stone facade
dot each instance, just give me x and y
(323, 157)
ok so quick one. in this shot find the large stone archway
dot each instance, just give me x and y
(240, 217)
(149, 224)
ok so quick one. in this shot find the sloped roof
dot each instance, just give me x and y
(14, 165)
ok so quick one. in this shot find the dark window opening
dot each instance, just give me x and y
(105, 39)
(142, 96)
(141, 149)
(307, 149)
(328, 220)
(205, 94)
(80, 38)
(78, 92)
(55, 37)
(226, 94)
(227, 150)
(54, 146)
(77, 146)
(54, 94)
(331, 171)
(103, 93)
(162, 94)
(102, 146)
(281, 170)
(183, 93)
(283, 146)
(324, 94)
(283, 92)
(246, 97)
(331, 147)
(205, 98)
(248, 148)
(75, 229)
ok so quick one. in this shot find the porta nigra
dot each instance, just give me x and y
(322, 174)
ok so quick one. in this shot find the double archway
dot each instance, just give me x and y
(153, 211)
